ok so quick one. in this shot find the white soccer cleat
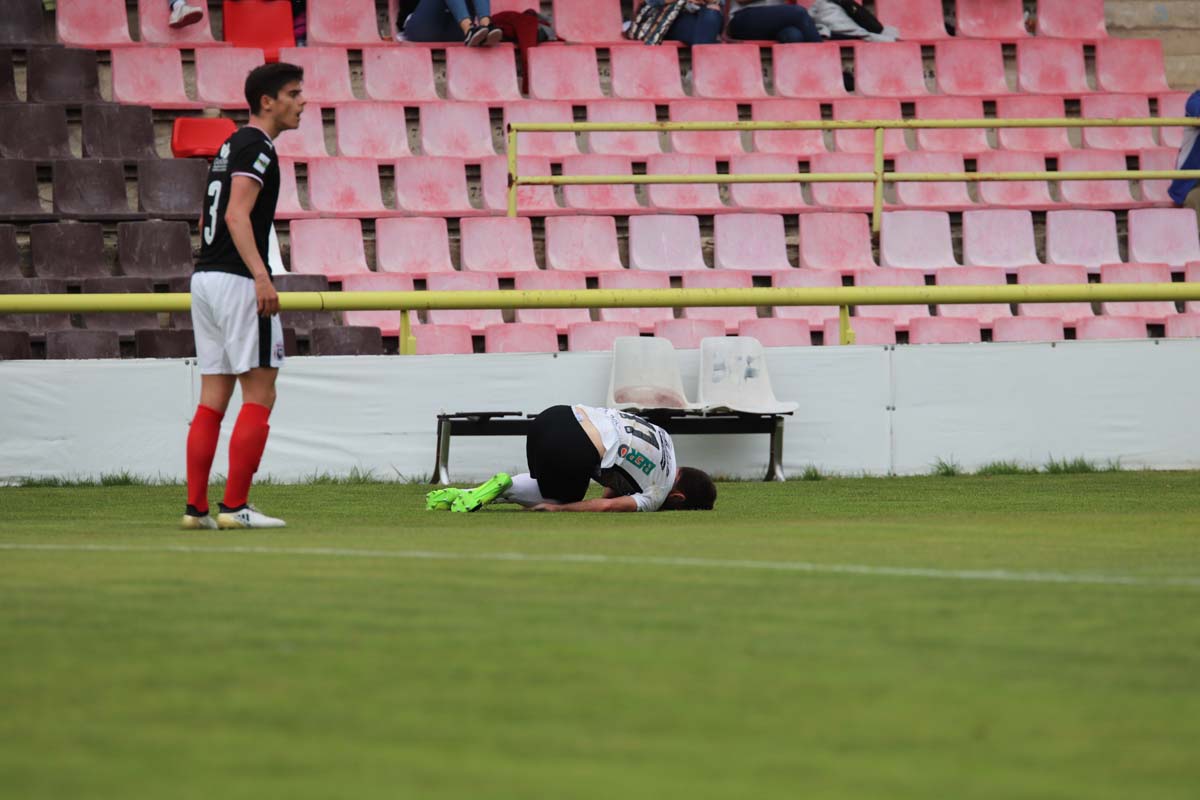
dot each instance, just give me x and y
(246, 517)
(183, 15)
(194, 522)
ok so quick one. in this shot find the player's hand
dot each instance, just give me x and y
(547, 507)
(268, 298)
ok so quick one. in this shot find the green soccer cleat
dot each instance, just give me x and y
(481, 495)
(441, 499)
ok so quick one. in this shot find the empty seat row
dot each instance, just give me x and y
(39, 131)
(95, 189)
(76, 250)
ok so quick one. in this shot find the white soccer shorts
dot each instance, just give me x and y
(231, 338)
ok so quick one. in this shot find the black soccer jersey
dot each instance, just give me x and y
(248, 152)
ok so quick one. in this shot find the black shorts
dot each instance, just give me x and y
(561, 456)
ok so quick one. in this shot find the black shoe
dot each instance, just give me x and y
(475, 36)
(494, 35)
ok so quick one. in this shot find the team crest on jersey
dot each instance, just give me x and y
(636, 459)
(261, 163)
(221, 162)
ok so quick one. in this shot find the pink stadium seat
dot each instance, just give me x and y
(1157, 158)
(152, 25)
(595, 21)
(481, 74)
(500, 245)
(149, 76)
(531, 200)
(1094, 194)
(686, 334)
(1014, 194)
(645, 73)
(93, 24)
(1109, 106)
(1082, 237)
(867, 331)
(644, 318)
(918, 240)
(624, 143)
(1150, 310)
(792, 143)
(597, 336)
(665, 243)
(413, 245)
(991, 19)
(966, 67)
(727, 71)
(332, 247)
(614, 198)
(1032, 140)
(1051, 274)
(399, 73)
(709, 143)
(1028, 329)
(1051, 66)
(900, 315)
(371, 130)
(1071, 19)
(808, 71)
(388, 322)
(326, 72)
(474, 318)
(889, 69)
(564, 73)
(461, 130)
(221, 73)
(944, 330)
(982, 313)
(349, 23)
(433, 187)
(785, 197)
(436, 340)
(582, 244)
(1130, 65)
(542, 144)
(520, 337)
(814, 316)
(345, 187)
(306, 142)
(835, 242)
(915, 19)
(771, 332)
(288, 206)
(1164, 235)
(1111, 328)
(558, 318)
(697, 198)
(967, 141)
(1183, 326)
(1171, 105)
(946, 195)
(847, 196)
(998, 238)
(754, 242)
(265, 25)
(730, 316)
(863, 141)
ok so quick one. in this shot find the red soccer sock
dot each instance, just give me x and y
(245, 451)
(201, 447)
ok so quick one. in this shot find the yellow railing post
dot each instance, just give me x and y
(877, 214)
(512, 171)
(845, 332)
(408, 342)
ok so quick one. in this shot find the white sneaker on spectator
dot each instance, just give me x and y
(183, 15)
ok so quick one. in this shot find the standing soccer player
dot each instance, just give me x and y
(235, 310)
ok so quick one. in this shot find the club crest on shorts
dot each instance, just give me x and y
(279, 351)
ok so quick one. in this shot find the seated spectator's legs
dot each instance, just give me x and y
(703, 27)
(786, 24)
(438, 21)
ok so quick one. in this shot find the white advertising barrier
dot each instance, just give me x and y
(863, 410)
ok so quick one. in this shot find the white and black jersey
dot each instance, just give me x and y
(639, 456)
(251, 153)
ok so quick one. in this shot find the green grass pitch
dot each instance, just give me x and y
(942, 637)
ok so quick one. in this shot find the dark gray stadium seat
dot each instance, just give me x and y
(118, 131)
(63, 75)
(304, 321)
(19, 192)
(164, 344)
(123, 323)
(155, 249)
(10, 256)
(172, 188)
(82, 344)
(68, 250)
(14, 345)
(24, 23)
(91, 188)
(8, 83)
(33, 323)
(346, 341)
(35, 131)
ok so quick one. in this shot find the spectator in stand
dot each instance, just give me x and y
(1186, 191)
(447, 20)
(776, 20)
(182, 14)
(696, 21)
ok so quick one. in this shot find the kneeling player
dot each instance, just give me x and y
(570, 446)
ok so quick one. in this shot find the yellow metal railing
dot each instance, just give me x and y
(879, 176)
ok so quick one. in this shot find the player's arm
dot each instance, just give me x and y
(626, 503)
(243, 192)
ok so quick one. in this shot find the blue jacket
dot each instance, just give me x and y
(1189, 154)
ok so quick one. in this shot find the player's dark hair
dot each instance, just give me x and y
(268, 80)
(698, 490)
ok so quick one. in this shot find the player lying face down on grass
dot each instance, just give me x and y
(568, 447)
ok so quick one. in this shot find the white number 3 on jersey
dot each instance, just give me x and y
(210, 230)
